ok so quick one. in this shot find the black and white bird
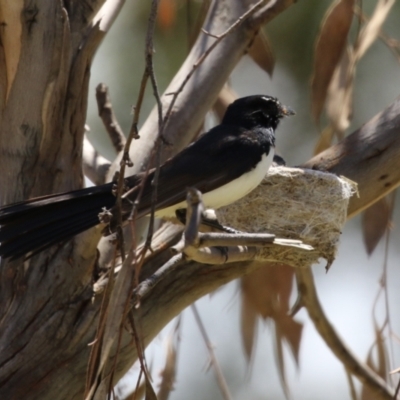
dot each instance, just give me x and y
(225, 164)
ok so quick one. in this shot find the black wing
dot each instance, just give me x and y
(220, 156)
(36, 224)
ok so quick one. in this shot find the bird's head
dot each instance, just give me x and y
(258, 110)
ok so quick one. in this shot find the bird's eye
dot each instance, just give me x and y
(260, 116)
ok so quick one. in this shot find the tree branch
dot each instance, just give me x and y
(309, 298)
(95, 166)
(109, 118)
(369, 157)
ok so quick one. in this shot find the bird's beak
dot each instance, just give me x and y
(287, 111)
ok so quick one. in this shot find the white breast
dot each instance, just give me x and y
(230, 192)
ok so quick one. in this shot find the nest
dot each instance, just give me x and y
(296, 204)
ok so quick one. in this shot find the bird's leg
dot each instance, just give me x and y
(181, 215)
(209, 219)
(278, 161)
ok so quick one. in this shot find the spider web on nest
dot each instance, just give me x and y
(296, 204)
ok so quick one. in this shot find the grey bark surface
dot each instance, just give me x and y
(48, 311)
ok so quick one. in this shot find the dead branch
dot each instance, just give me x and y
(107, 115)
(368, 157)
(358, 368)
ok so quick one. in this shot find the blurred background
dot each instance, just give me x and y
(349, 291)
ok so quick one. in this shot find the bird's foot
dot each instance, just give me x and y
(224, 252)
(210, 219)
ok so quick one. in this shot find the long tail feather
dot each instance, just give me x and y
(34, 225)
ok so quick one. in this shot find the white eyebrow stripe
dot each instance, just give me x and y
(270, 99)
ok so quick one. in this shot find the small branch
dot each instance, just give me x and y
(213, 359)
(209, 34)
(168, 373)
(134, 134)
(109, 118)
(112, 330)
(147, 285)
(149, 58)
(309, 299)
(158, 146)
(95, 166)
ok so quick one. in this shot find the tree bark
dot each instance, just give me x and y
(368, 157)
(48, 311)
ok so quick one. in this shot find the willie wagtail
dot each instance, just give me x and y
(225, 164)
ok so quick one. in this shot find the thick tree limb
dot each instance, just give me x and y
(369, 157)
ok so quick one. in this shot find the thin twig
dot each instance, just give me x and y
(158, 145)
(140, 351)
(168, 373)
(353, 392)
(126, 310)
(149, 58)
(156, 152)
(359, 369)
(133, 134)
(384, 277)
(109, 118)
(138, 383)
(147, 285)
(214, 362)
(95, 353)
